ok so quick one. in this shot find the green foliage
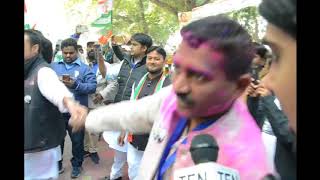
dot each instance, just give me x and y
(248, 17)
(127, 19)
(70, 3)
(160, 18)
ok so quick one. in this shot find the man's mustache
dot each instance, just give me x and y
(185, 98)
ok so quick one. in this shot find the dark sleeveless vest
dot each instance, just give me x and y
(43, 126)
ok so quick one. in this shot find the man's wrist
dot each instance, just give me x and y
(68, 102)
(75, 85)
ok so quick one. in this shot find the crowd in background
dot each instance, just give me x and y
(217, 72)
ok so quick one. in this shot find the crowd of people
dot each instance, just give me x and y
(241, 93)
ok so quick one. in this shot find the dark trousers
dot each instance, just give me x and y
(77, 139)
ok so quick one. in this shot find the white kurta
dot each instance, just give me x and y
(44, 164)
(111, 137)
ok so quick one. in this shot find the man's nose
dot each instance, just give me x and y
(181, 83)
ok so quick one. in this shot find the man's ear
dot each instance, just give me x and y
(144, 48)
(35, 48)
(243, 82)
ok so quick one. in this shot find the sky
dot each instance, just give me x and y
(49, 17)
(58, 23)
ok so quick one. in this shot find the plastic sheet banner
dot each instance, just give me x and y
(222, 6)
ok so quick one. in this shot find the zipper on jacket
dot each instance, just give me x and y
(124, 90)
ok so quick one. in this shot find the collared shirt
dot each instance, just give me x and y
(84, 79)
(71, 65)
(95, 68)
(150, 85)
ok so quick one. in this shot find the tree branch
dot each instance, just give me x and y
(166, 6)
(125, 18)
(207, 1)
(143, 19)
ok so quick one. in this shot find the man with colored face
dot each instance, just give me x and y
(211, 71)
(81, 81)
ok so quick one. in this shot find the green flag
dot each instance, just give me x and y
(27, 26)
(106, 29)
(104, 20)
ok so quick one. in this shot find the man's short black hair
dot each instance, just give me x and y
(281, 13)
(225, 36)
(262, 51)
(90, 43)
(159, 50)
(143, 39)
(34, 38)
(46, 49)
(79, 46)
(69, 42)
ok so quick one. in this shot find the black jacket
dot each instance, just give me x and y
(43, 128)
(262, 108)
(285, 156)
(140, 141)
(128, 74)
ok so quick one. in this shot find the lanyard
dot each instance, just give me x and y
(166, 163)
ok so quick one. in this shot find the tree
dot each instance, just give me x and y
(158, 18)
(179, 5)
(247, 17)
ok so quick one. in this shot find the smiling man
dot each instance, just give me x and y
(150, 83)
(211, 71)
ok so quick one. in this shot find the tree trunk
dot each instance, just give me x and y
(188, 5)
(143, 20)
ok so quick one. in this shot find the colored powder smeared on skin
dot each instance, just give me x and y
(219, 108)
(207, 74)
(215, 55)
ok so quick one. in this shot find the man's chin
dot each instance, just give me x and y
(154, 71)
(191, 112)
(185, 111)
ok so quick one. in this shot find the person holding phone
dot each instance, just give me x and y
(81, 81)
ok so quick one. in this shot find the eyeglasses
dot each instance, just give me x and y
(149, 83)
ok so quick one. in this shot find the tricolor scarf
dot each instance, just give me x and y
(138, 89)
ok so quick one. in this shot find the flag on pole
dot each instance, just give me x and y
(104, 38)
(105, 20)
(26, 25)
